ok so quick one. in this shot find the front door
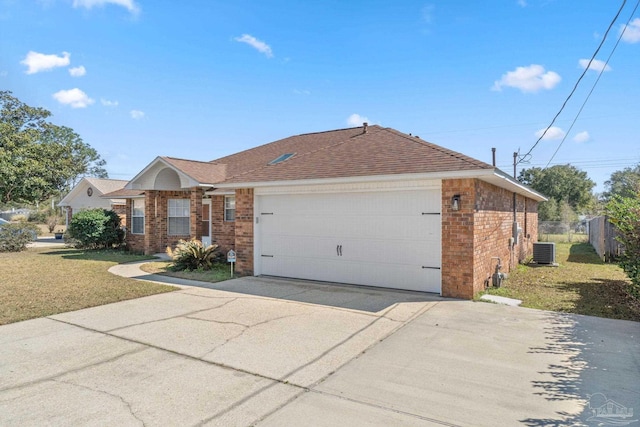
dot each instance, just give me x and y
(206, 222)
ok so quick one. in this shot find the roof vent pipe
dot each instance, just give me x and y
(364, 127)
(493, 155)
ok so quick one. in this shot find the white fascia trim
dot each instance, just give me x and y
(220, 193)
(71, 194)
(130, 184)
(192, 182)
(357, 179)
(512, 184)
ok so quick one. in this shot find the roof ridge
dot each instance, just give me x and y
(215, 161)
(184, 160)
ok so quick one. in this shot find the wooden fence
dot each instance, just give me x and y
(602, 236)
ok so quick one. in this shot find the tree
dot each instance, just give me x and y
(561, 183)
(624, 213)
(37, 158)
(624, 183)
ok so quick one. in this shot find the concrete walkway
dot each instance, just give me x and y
(272, 352)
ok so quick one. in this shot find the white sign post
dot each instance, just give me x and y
(231, 257)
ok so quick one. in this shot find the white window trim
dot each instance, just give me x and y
(133, 215)
(188, 216)
(226, 209)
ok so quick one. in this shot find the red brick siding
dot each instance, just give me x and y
(155, 238)
(223, 233)
(121, 210)
(457, 239)
(480, 230)
(244, 231)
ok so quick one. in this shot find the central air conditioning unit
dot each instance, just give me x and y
(544, 253)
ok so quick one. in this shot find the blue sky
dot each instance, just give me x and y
(203, 79)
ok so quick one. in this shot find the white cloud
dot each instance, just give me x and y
(528, 79)
(582, 137)
(130, 5)
(37, 62)
(73, 97)
(522, 3)
(631, 32)
(259, 45)
(137, 114)
(427, 13)
(553, 132)
(357, 120)
(596, 65)
(108, 103)
(302, 92)
(78, 71)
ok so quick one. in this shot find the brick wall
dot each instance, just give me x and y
(457, 239)
(121, 210)
(223, 233)
(244, 231)
(480, 230)
(155, 238)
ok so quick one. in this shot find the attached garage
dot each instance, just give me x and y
(352, 234)
(366, 206)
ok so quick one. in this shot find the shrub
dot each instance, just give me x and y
(94, 229)
(19, 218)
(40, 217)
(192, 255)
(14, 237)
(52, 221)
(624, 213)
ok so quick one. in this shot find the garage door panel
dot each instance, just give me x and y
(352, 226)
(387, 239)
(402, 252)
(409, 277)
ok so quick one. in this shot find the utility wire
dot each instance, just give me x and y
(527, 156)
(594, 84)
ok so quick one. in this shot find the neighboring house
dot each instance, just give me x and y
(365, 206)
(88, 194)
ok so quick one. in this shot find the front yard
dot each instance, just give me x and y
(581, 284)
(42, 282)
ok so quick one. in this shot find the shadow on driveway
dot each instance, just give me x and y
(350, 297)
(601, 367)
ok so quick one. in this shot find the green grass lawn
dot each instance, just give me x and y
(42, 282)
(582, 284)
(218, 273)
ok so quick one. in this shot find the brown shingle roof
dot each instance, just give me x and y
(203, 172)
(339, 153)
(346, 153)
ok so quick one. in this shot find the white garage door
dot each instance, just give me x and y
(386, 239)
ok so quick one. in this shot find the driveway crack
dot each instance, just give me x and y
(117, 396)
(187, 315)
(246, 328)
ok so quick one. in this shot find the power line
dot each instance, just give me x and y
(594, 83)
(564, 104)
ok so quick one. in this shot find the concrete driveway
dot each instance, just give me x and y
(260, 351)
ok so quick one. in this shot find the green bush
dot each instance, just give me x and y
(95, 229)
(14, 237)
(624, 213)
(192, 255)
(39, 217)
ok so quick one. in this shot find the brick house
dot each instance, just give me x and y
(88, 194)
(365, 206)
